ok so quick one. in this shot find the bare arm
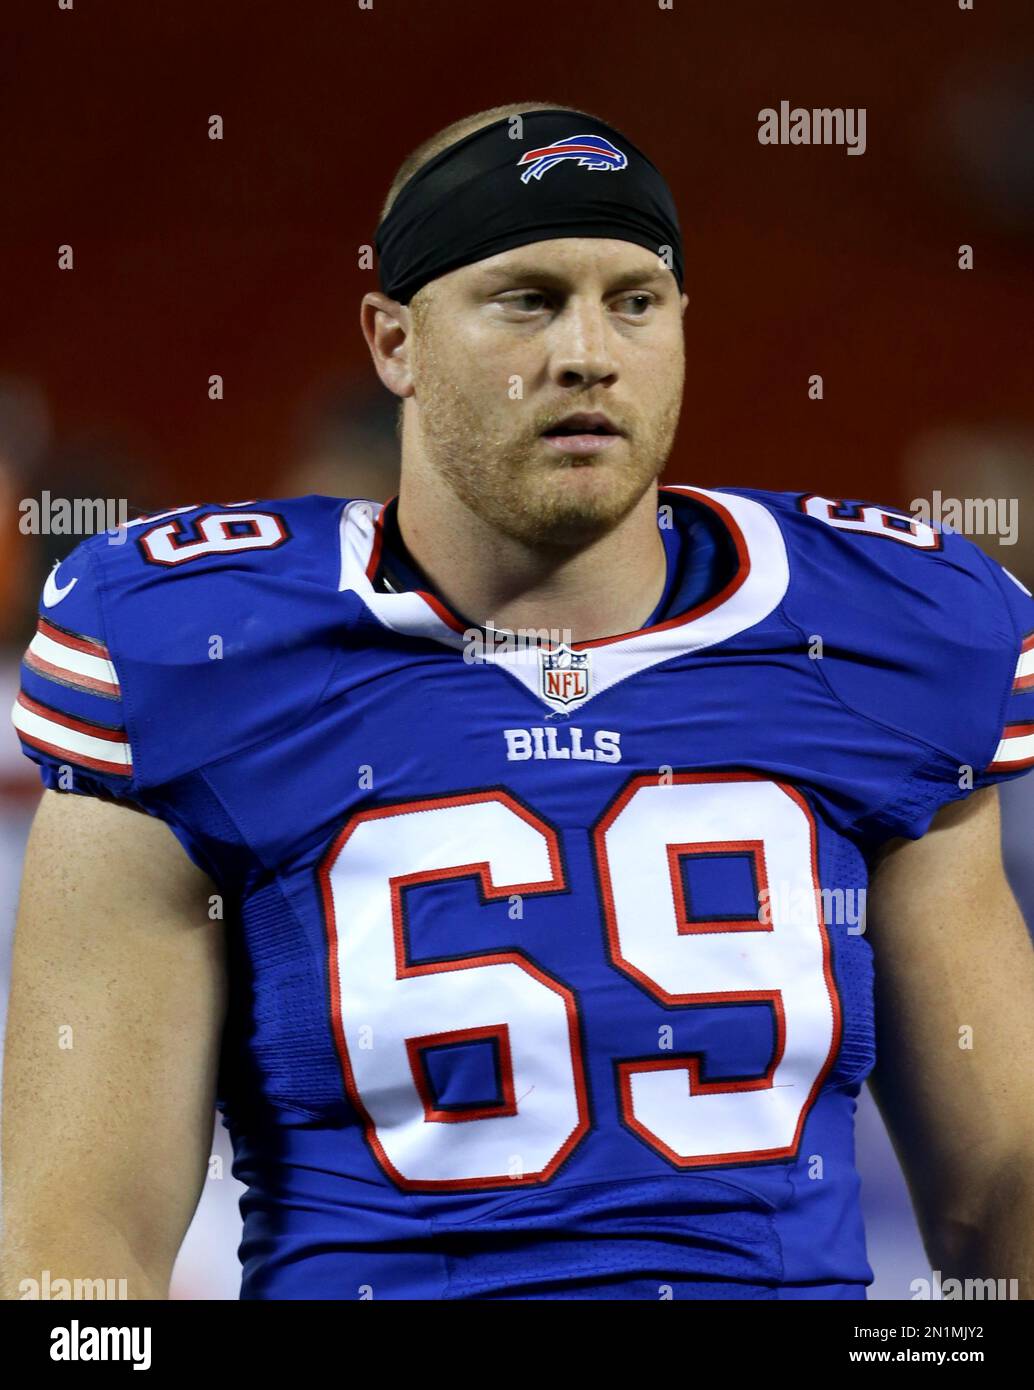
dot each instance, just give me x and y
(953, 954)
(116, 1011)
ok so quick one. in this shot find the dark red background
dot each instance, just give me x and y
(240, 256)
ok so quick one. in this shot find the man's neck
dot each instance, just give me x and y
(607, 587)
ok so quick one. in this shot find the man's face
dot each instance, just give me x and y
(502, 352)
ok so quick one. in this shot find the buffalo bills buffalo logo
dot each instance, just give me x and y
(590, 151)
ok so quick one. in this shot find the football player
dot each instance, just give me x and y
(506, 849)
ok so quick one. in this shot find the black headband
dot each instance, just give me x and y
(568, 176)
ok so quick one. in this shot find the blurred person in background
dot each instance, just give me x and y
(347, 445)
(24, 436)
(972, 169)
(37, 467)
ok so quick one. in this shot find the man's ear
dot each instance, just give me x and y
(387, 326)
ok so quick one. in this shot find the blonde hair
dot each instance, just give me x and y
(458, 130)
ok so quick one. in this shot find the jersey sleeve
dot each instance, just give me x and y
(1012, 724)
(70, 709)
(973, 707)
(166, 649)
(928, 641)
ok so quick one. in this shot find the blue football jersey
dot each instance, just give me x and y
(549, 976)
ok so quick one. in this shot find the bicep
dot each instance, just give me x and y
(954, 1000)
(115, 1017)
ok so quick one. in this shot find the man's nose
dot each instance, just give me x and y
(582, 354)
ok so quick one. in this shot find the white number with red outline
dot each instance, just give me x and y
(165, 545)
(871, 520)
(385, 1008)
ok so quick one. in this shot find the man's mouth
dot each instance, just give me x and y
(582, 433)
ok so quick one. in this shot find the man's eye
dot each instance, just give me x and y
(527, 300)
(636, 304)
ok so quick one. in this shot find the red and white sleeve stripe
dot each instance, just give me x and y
(101, 747)
(1016, 749)
(71, 659)
(87, 732)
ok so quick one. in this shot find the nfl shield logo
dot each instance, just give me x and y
(565, 675)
